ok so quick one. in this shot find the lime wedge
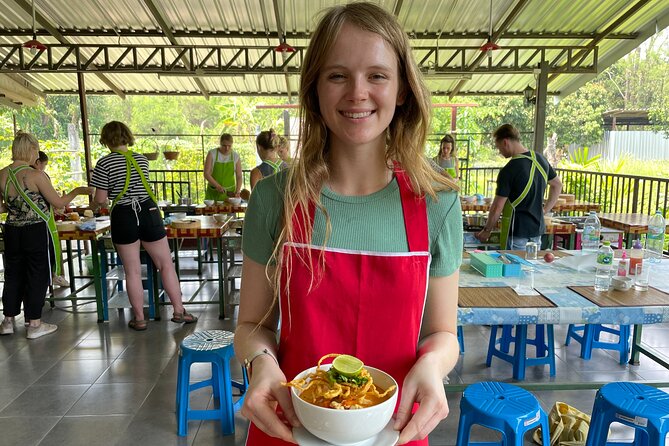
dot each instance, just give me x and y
(347, 365)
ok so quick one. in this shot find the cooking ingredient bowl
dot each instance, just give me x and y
(209, 202)
(220, 218)
(344, 427)
(235, 201)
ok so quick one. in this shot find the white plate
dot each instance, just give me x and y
(387, 437)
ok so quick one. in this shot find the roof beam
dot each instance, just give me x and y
(172, 60)
(23, 82)
(622, 18)
(661, 23)
(515, 12)
(9, 103)
(167, 31)
(282, 38)
(53, 31)
(397, 8)
(296, 35)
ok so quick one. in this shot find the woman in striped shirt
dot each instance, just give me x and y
(135, 219)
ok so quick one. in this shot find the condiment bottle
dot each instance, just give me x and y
(623, 265)
(636, 256)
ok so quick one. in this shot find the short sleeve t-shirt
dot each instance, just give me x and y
(372, 222)
(110, 172)
(218, 157)
(511, 181)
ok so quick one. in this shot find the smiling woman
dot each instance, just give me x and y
(361, 165)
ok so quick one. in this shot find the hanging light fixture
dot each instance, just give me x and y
(284, 47)
(490, 46)
(34, 45)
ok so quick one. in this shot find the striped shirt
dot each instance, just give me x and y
(109, 174)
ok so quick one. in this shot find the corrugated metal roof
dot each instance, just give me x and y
(235, 24)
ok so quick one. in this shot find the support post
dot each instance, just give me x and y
(540, 108)
(84, 126)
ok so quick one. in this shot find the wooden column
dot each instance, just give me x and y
(540, 109)
(84, 126)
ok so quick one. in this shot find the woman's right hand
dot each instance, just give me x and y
(264, 393)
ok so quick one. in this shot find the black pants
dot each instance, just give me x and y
(27, 271)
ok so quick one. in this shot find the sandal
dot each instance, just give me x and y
(138, 325)
(184, 317)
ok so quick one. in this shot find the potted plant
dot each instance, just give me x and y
(171, 150)
(145, 146)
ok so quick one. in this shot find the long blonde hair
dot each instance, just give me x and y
(405, 136)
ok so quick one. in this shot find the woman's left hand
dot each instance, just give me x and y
(425, 386)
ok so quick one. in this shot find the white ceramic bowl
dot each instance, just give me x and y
(235, 200)
(621, 283)
(344, 427)
(220, 217)
(178, 215)
(209, 202)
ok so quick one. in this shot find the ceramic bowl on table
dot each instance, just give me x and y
(235, 201)
(220, 218)
(621, 283)
(209, 202)
(344, 427)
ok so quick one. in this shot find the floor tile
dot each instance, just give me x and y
(50, 400)
(88, 430)
(24, 431)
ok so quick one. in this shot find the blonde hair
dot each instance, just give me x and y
(405, 136)
(24, 146)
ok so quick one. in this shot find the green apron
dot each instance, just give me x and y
(224, 174)
(131, 163)
(48, 218)
(451, 171)
(510, 207)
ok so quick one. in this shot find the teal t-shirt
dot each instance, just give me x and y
(372, 222)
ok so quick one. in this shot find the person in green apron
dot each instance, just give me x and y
(521, 185)
(223, 171)
(29, 198)
(136, 220)
(267, 145)
(447, 157)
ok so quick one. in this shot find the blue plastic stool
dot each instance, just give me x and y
(545, 350)
(461, 339)
(642, 407)
(590, 339)
(215, 347)
(502, 407)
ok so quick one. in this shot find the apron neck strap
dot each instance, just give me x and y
(414, 209)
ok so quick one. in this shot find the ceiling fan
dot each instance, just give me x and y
(490, 46)
(34, 45)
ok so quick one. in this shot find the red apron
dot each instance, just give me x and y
(366, 304)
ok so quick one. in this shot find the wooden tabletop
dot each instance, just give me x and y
(578, 205)
(209, 228)
(101, 227)
(225, 208)
(628, 223)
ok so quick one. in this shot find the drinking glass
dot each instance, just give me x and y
(603, 278)
(531, 251)
(641, 276)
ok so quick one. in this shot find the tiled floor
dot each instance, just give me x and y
(103, 384)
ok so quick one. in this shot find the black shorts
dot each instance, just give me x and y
(124, 227)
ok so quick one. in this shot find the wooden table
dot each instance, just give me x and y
(94, 236)
(630, 224)
(214, 231)
(575, 206)
(226, 208)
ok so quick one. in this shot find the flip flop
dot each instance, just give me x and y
(185, 318)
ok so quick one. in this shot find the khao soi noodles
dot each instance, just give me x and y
(341, 391)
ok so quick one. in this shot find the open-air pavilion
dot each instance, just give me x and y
(99, 384)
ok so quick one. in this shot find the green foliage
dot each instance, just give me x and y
(581, 158)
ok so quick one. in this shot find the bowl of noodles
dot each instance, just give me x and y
(343, 409)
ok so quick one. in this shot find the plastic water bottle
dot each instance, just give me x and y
(604, 265)
(655, 237)
(636, 256)
(592, 230)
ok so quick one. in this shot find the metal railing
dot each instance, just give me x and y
(171, 185)
(614, 192)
